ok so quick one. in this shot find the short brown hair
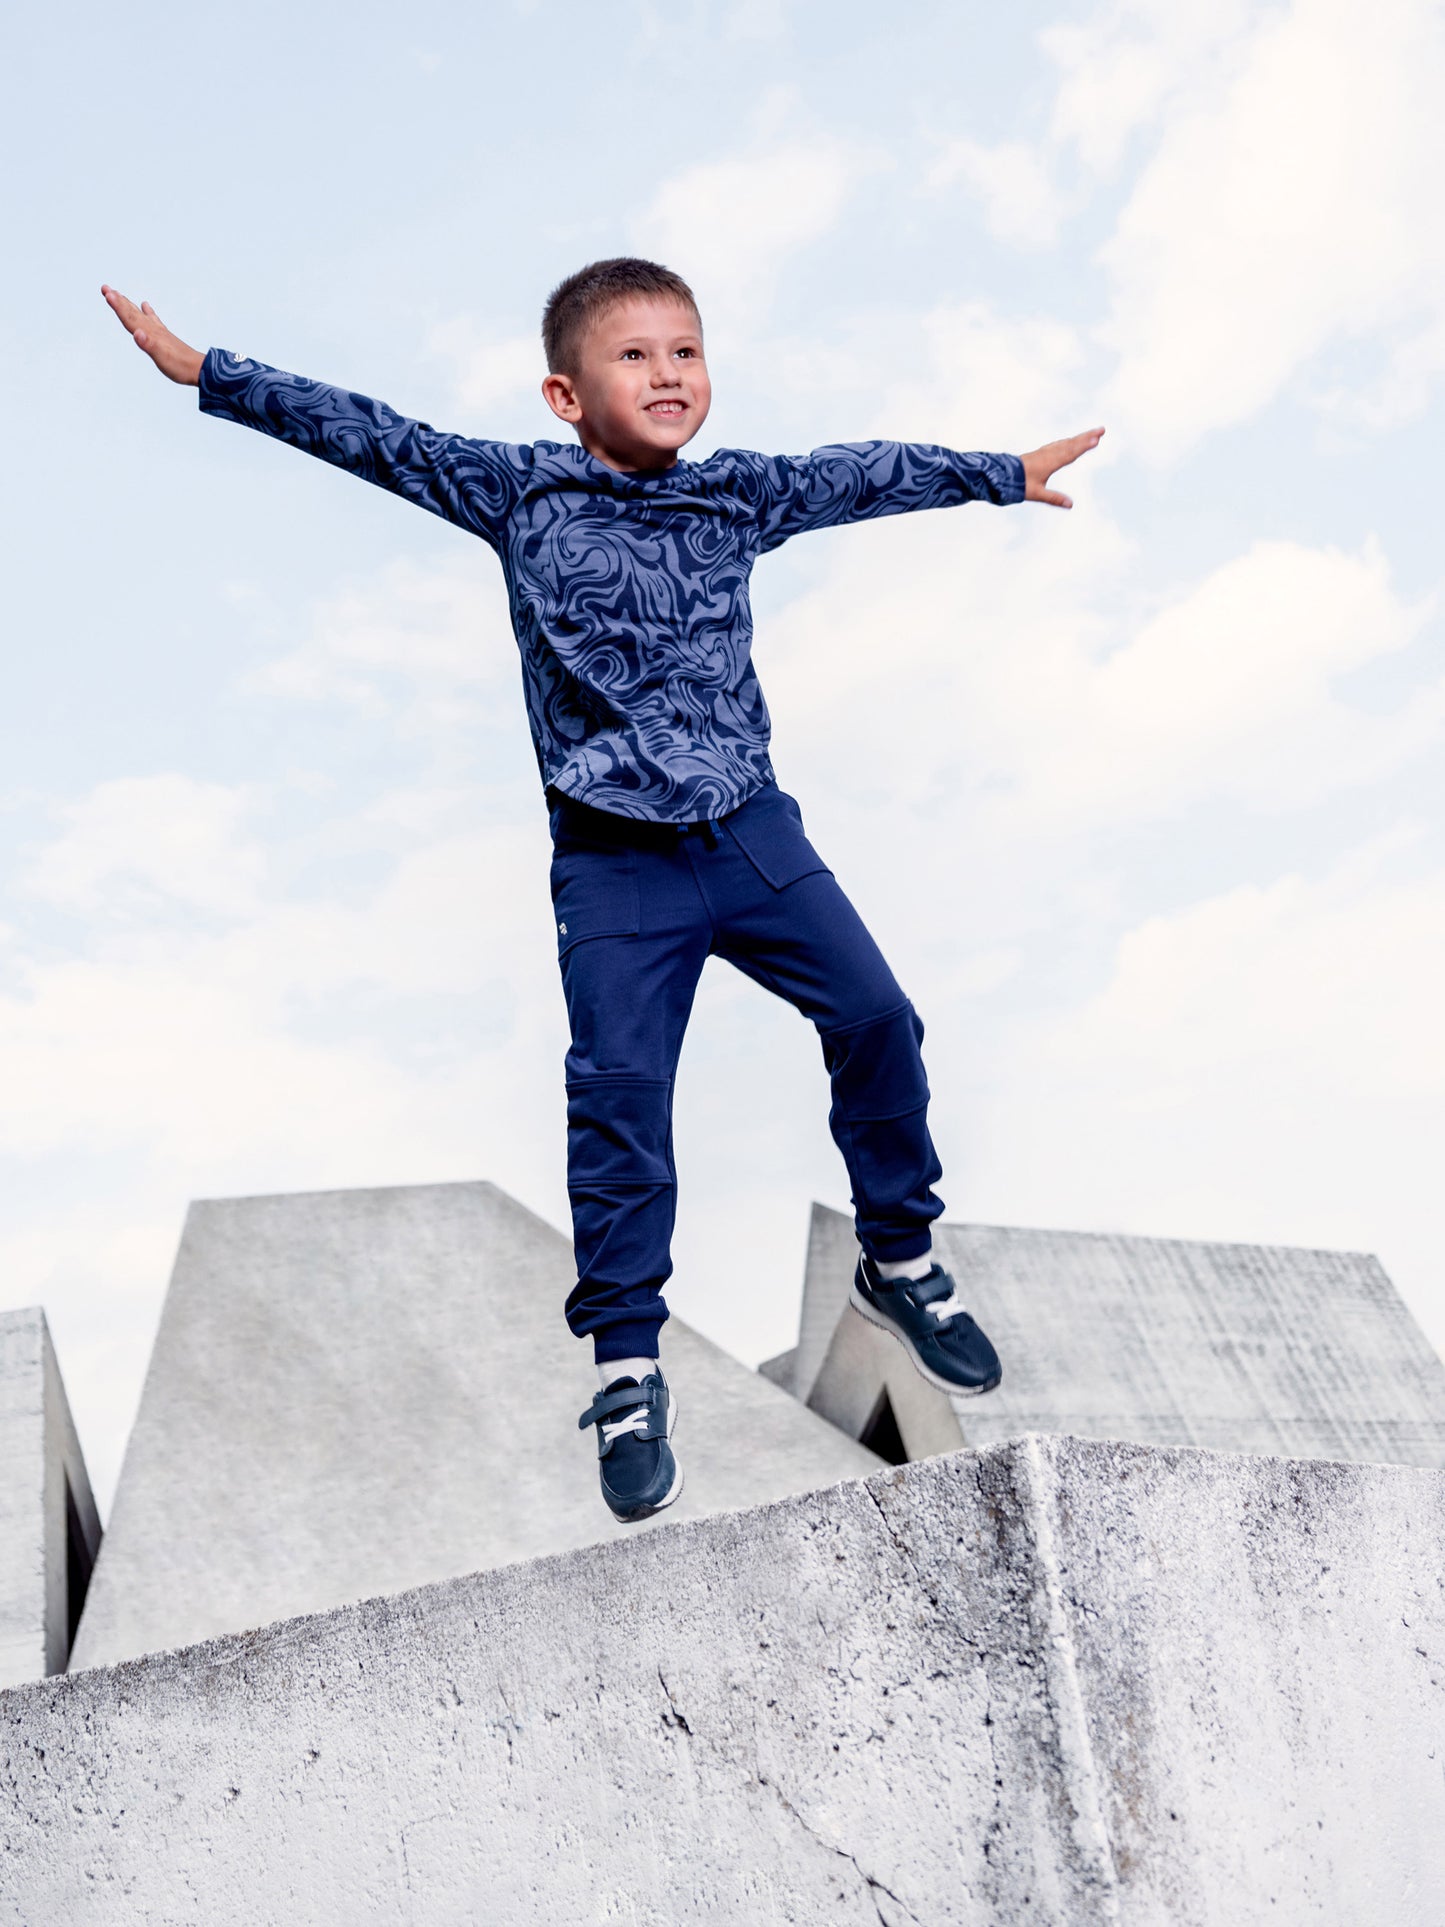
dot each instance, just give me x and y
(574, 304)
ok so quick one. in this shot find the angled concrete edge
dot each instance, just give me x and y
(1054, 1681)
(49, 1526)
(354, 1392)
(864, 1366)
(779, 1370)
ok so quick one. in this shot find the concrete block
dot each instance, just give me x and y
(1056, 1682)
(868, 1384)
(1246, 1348)
(49, 1527)
(353, 1392)
(779, 1370)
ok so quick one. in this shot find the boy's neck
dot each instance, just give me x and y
(665, 458)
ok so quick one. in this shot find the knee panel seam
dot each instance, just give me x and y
(885, 1117)
(867, 1023)
(626, 1080)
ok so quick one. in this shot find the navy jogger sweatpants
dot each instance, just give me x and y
(639, 909)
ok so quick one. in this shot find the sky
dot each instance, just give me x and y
(1143, 801)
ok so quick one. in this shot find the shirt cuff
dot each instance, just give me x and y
(217, 383)
(1014, 488)
(206, 382)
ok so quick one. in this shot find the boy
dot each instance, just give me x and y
(627, 572)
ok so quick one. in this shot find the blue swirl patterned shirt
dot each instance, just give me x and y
(628, 593)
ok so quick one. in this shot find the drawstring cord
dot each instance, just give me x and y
(708, 831)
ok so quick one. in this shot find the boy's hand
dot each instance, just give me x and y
(169, 353)
(1039, 466)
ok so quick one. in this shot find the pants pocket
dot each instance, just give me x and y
(768, 829)
(594, 894)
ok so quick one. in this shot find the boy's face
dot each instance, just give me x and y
(641, 388)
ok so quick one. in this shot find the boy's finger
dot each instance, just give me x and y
(126, 312)
(1078, 445)
(1055, 500)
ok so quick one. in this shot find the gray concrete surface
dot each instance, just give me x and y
(353, 1392)
(1056, 1682)
(1241, 1348)
(861, 1368)
(49, 1527)
(780, 1370)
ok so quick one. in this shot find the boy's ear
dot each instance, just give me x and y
(561, 397)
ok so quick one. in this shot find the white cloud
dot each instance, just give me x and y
(729, 226)
(1295, 210)
(755, 20)
(1401, 390)
(1013, 184)
(1129, 62)
(968, 376)
(432, 641)
(202, 1040)
(1232, 690)
(1263, 1064)
(1058, 697)
(169, 1054)
(489, 372)
(1286, 207)
(136, 844)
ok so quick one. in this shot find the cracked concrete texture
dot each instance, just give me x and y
(1054, 1681)
(1261, 1658)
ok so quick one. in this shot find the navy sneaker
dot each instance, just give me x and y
(927, 1317)
(634, 1422)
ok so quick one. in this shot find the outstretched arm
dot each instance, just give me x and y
(150, 334)
(473, 484)
(856, 481)
(1044, 462)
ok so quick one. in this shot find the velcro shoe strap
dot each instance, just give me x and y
(625, 1399)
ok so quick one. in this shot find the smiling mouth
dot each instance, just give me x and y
(665, 408)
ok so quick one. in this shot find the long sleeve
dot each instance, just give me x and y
(472, 483)
(855, 481)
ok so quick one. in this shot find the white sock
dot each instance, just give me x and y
(637, 1368)
(911, 1268)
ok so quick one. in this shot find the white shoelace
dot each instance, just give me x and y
(634, 1422)
(946, 1307)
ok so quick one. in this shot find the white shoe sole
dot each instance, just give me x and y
(865, 1310)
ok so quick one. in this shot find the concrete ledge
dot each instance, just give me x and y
(1053, 1681)
(49, 1527)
